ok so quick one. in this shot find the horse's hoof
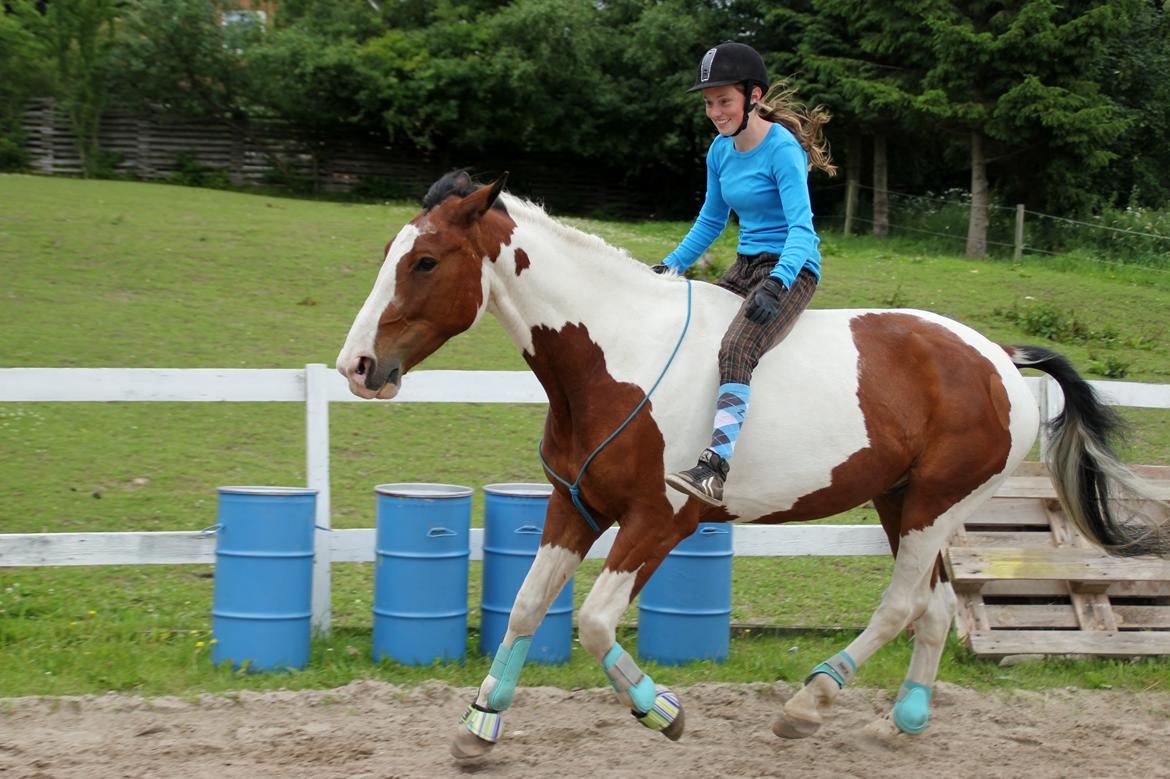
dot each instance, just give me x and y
(912, 710)
(788, 726)
(468, 746)
(667, 715)
(674, 730)
(802, 714)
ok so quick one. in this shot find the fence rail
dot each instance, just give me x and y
(317, 386)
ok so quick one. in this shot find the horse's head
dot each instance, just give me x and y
(432, 285)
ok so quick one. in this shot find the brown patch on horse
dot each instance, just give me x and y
(626, 480)
(931, 443)
(490, 229)
(493, 233)
(1000, 401)
(708, 513)
(522, 261)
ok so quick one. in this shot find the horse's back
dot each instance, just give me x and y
(862, 395)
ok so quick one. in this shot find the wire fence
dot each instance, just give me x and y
(1120, 238)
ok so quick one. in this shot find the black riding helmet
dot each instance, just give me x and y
(733, 63)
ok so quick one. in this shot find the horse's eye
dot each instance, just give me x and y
(426, 264)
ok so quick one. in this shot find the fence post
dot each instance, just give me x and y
(237, 155)
(143, 160)
(317, 376)
(1019, 250)
(48, 131)
(881, 195)
(852, 180)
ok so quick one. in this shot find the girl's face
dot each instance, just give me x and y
(725, 106)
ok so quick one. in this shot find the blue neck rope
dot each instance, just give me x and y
(575, 487)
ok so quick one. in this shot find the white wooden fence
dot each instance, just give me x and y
(317, 386)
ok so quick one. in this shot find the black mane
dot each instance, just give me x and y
(458, 183)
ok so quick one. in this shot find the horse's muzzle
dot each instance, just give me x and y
(368, 379)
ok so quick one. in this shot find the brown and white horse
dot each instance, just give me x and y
(918, 413)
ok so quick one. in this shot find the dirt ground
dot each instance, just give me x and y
(376, 730)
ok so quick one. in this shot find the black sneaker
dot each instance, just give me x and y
(704, 481)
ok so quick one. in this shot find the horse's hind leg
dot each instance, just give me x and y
(908, 597)
(566, 540)
(912, 708)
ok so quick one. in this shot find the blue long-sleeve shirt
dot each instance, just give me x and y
(768, 188)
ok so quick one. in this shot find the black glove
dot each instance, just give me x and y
(764, 303)
(661, 267)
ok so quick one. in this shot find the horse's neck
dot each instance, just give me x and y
(550, 276)
(575, 306)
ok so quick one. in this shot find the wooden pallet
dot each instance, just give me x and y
(1029, 583)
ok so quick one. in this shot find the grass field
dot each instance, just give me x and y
(123, 274)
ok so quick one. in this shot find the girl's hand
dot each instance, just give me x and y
(765, 302)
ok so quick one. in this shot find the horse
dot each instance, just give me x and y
(908, 409)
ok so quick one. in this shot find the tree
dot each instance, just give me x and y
(178, 57)
(24, 74)
(870, 59)
(76, 36)
(1136, 75)
(1022, 80)
(312, 82)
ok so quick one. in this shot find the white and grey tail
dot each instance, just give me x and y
(1107, 502)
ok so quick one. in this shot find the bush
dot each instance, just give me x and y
(1135, 235)
(1109, 366)
(189, 172)
(12, 155)
(1046, 321)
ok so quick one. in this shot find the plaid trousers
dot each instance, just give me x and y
(745, 342)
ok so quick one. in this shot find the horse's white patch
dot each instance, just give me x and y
(485, 283)
(551, 568)
(603, 607)
(909, 593)
(365, 325)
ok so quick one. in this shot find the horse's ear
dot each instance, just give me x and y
(477, 203)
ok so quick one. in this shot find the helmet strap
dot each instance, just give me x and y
(748, 107)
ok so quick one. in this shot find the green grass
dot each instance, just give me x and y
(138, 275)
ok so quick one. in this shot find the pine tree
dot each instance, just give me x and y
(1021, 81)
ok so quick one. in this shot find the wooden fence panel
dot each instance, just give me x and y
(150, 148)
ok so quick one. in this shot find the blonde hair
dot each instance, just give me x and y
(782, 107)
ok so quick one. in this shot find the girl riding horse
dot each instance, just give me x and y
(916, 412)
(758, 166)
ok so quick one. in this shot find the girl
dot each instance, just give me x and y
(758, 165)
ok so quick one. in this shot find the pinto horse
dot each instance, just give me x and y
(915, 412)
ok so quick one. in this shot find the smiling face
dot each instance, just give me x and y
(725, 106)
(431, 287)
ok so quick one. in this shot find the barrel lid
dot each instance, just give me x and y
(414, 489)
(520, 489)
(258, 490)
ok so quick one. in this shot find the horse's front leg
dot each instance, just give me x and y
(565, 541)
(639, 548)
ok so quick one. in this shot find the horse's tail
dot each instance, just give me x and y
(1111, 505)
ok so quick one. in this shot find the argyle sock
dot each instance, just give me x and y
(730, 410)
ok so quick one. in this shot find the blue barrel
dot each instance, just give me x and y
(263, 597)
(684, 613)
(513, 521)
(420, 572)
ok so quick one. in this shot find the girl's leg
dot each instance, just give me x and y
(743, 345)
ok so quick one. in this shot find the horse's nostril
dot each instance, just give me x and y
(363, 365)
